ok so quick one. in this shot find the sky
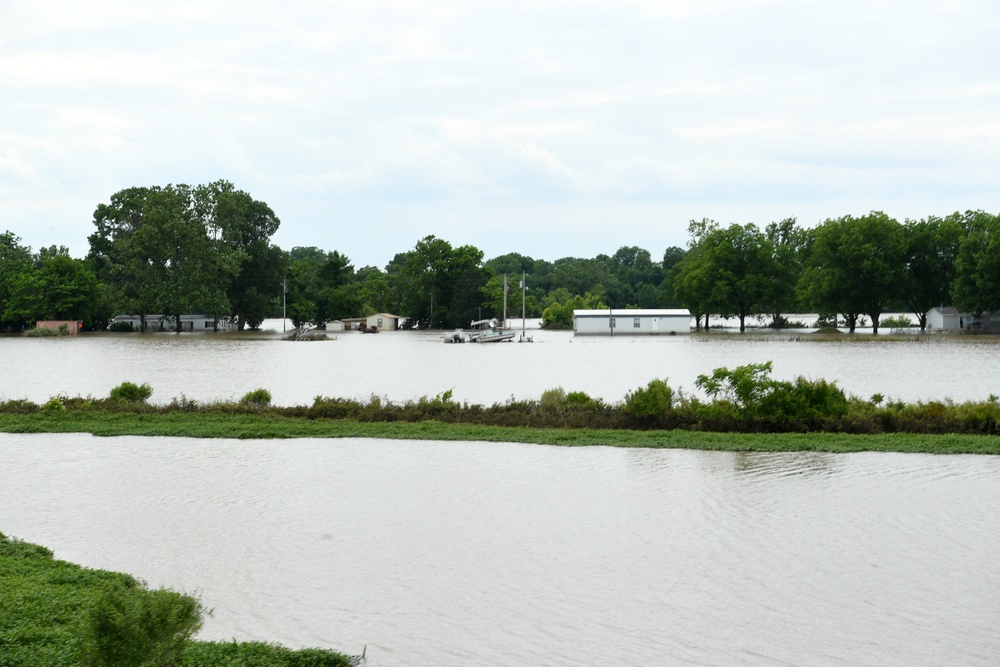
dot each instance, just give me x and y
(553, 129)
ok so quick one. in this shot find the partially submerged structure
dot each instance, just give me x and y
(189, 322)
(378, 321)
(632, 322)
(949, 319)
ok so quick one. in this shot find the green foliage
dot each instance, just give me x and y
(54, 404)
(897, 322)
(553, 399)
(258, 398)
(653, 400)
(131, 626)
(43, 332)
(57, 614)
(129, 392)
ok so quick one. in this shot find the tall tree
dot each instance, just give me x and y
(931, 253)
(789, 244)
(15, 260)
(57, 287)
(856, 266)
(977, 265)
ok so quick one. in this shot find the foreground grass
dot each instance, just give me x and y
(270, 425)
(44, 601)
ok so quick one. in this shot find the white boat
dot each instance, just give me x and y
(488, 331)
(457, 336)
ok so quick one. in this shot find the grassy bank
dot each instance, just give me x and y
(54, 614)
(743, 409)
(271, 425)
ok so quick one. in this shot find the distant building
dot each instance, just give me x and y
(946, 318)
(71, 327)
(190, 322)
(614, 322)
(380, 321)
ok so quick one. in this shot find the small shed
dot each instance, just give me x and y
(380, 321)
(70, 327)
(946, 318)
(632, 322)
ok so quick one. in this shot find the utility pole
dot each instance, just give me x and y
(505, 288)
(284, 304)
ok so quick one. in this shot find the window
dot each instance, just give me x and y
(635, 323)
(379, 325)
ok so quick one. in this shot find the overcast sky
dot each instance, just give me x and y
(553, 128)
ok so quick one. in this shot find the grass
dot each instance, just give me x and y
(44, 607)
(270, 425)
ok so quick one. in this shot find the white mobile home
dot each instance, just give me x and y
(189, 322)
(635, 322)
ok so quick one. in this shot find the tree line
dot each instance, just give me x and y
(179, 249)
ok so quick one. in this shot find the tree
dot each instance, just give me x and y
(856, 266)
(931, 253)
(977, 265)
(56, 287)
(15, 260)
(178, 249)
(242, 227)
(441, 285)
(789, 245)
(743, 268)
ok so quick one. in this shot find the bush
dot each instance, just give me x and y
(129, 392)
(128, 626)
(553, 399)
(54, 404)
(653, 400)
(258, 398)
(897, 322)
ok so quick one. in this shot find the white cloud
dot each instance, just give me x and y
(407, 116)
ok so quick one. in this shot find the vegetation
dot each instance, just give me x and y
(176, 249)
(129, 392)
(806, 414)
(57, 614)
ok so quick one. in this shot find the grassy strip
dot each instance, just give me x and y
(44, 602)
(269, 425)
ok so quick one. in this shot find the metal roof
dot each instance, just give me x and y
(634, 312)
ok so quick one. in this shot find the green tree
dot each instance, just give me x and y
(856, 266)
(977, 265)
(742, 263)
(15, 260)
(441, 285)
(789, 245)
(931, 254)
(56, 287)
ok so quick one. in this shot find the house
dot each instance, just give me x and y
(380, 321)
(625, 322)
(947, 318)
(190, 322)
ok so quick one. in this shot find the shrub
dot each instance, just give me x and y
(580, 399)
(258, 398)
(129, 392)
(653, 400)
(898, 322)
(128, 626)
(54, 404)
(553, 399)
(41, 332)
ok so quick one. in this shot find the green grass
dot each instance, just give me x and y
(266, 425)
(44, 603)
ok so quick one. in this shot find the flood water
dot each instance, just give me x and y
(502, 554)
(458, 554)
(406, 365)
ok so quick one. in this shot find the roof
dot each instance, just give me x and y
(634, 312)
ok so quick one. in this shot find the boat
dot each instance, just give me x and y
(489, 331)
(457, 336)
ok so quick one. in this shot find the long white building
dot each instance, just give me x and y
(624, 322)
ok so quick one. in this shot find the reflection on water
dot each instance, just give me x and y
(408, 365)
(439, 553)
